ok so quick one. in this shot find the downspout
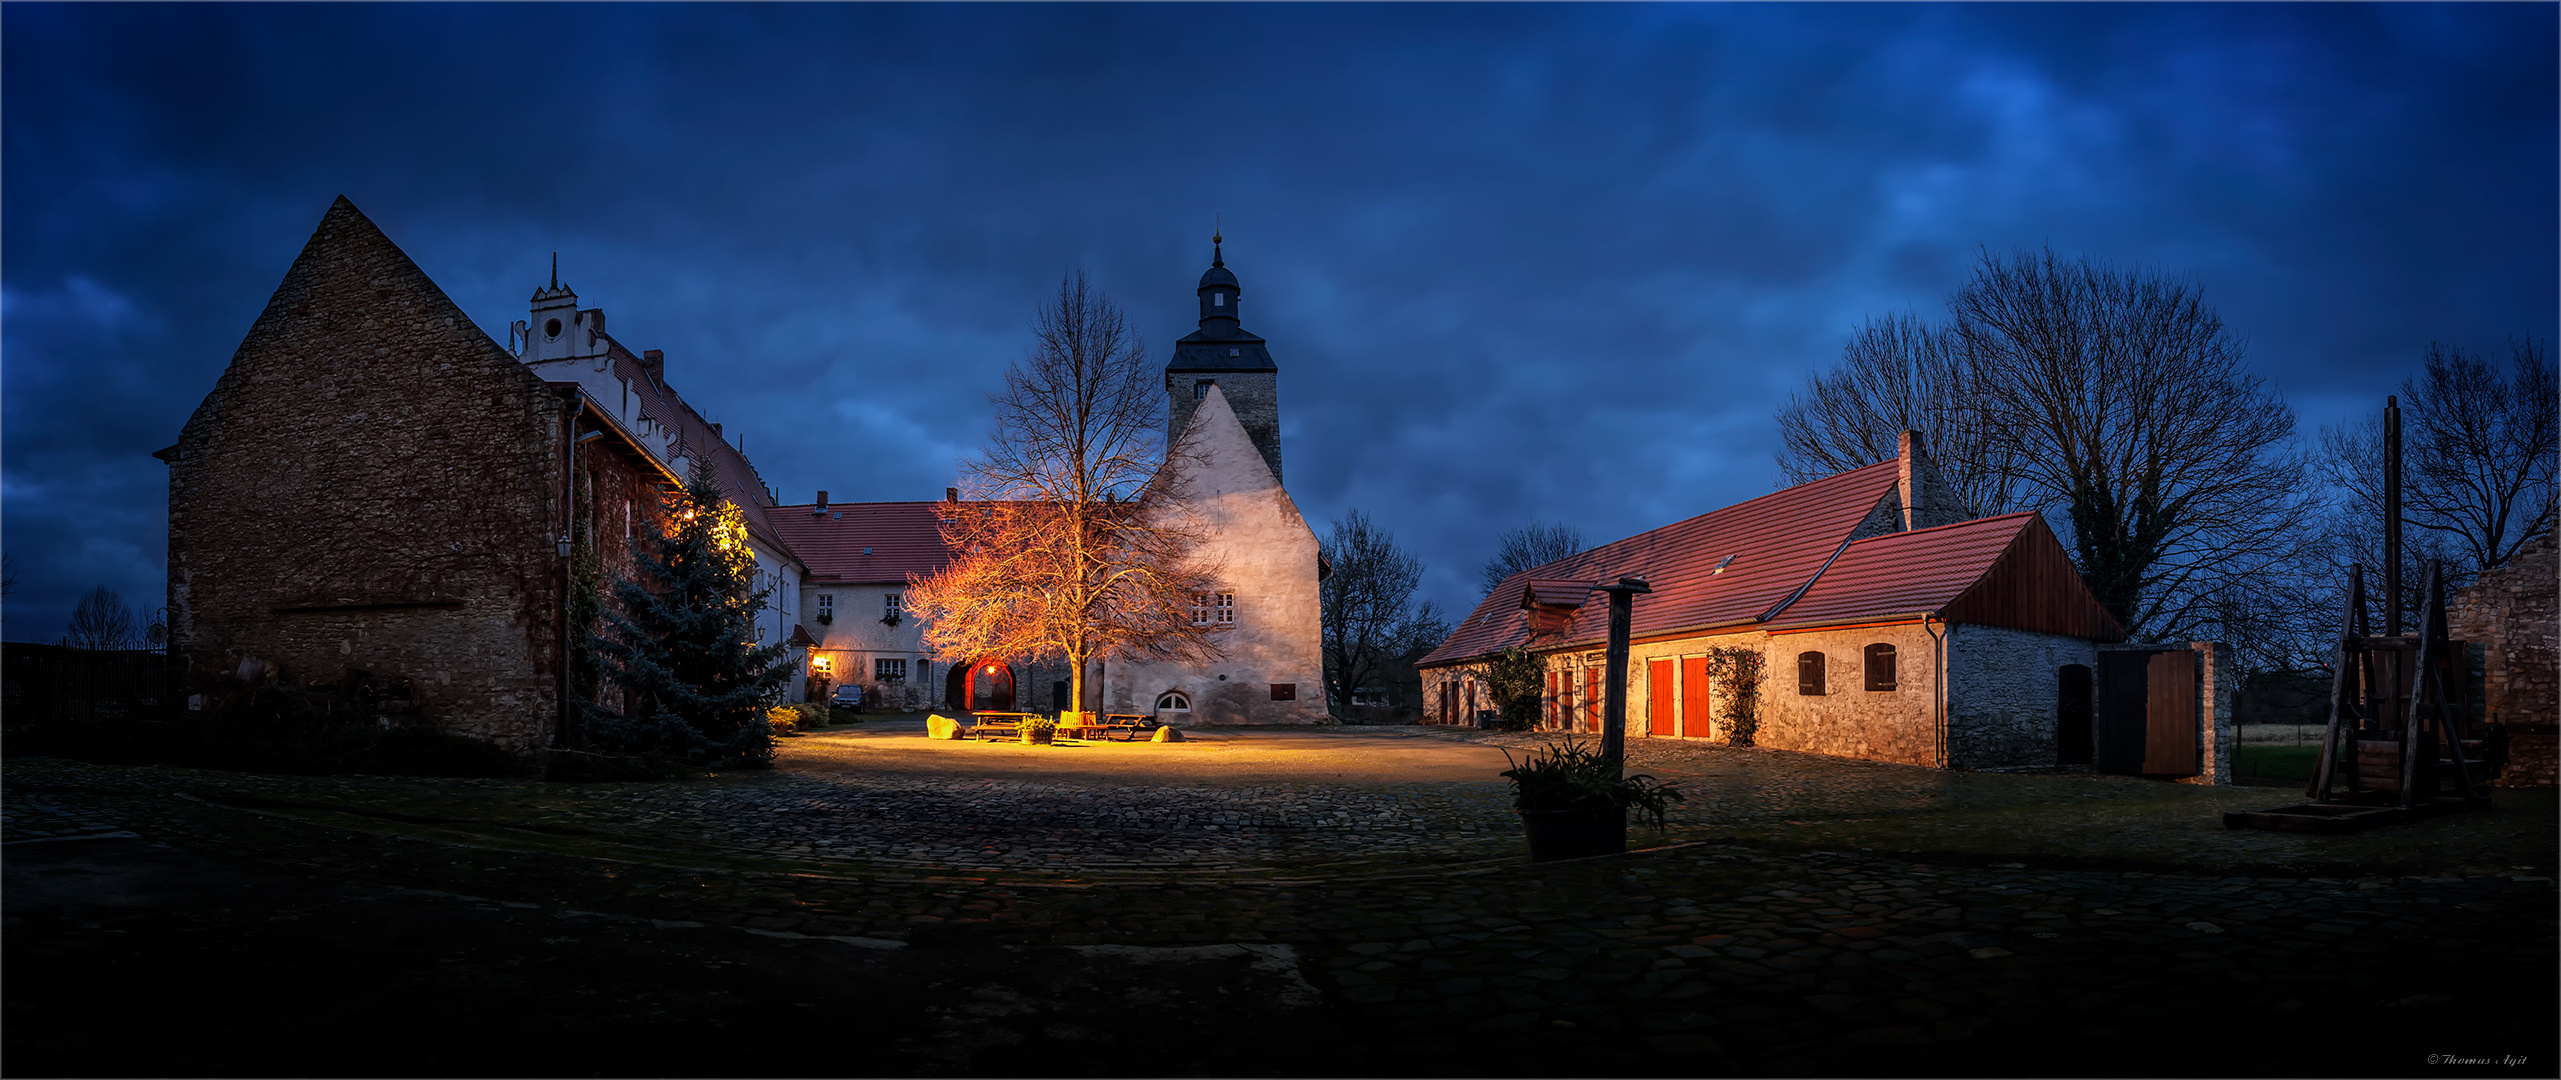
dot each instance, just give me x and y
(1938, 693)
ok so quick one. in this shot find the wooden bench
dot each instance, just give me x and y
(1128, 727)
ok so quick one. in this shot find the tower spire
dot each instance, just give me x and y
(1216, 228)
(555, 269)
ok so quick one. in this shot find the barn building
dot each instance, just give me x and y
(1885, 629)
(376, 493)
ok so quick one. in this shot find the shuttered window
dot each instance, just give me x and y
(1809, 674)
(1880, 666)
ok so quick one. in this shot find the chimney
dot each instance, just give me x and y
(1926, 500)
(822, 502)
(654, 362)
(951, 494)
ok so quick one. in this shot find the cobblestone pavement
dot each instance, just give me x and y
(1962, 944)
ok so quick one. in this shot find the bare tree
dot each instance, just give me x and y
(2481, 449)
(1898, 373)
(1078, 539)
(101, 621)
(1529, 546)
(1370, 619)
(2113, 400)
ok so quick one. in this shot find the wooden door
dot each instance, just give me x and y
(2169, 714)
(1555, 707)
(1658, 698)
(2117, 738)
(2072, 715)
(1592, 699)
(1695, 721)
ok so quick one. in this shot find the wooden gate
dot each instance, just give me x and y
(2147, 716)
(1694, 699)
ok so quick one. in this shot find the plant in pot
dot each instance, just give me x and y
(1038, 729)
(1573, 802)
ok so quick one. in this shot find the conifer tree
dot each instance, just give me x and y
(683, 642)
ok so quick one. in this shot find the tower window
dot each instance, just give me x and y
(1200, 388)
(1218, 299)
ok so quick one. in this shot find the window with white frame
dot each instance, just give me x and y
(893, 607)
(826, 607)
(1214, 609)
(886, 670)
(1174, 701)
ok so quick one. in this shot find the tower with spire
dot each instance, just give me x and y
(1221, 353)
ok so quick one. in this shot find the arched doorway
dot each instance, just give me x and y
(982, 685)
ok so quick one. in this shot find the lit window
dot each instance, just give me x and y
(893, 607)
(822, 665)
(889, 670)
(826, 607)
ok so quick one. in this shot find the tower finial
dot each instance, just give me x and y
(555, 270)
(1216, 229)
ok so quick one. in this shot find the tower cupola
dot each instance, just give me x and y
(1218, 289)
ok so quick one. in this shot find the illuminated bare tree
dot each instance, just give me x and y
(1533, 545)
(1077, 540)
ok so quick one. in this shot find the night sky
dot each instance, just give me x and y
(1515, 262)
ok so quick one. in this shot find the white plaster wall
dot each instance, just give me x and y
(857, 637)
(1265, 554)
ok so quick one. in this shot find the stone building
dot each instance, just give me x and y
(2509, 613)
(376, 492)
(1222, 405)
(1886, 629)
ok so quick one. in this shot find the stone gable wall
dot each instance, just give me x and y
(2509, 612)
(368, 446)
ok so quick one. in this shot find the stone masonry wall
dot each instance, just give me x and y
(2002, 704)
(1847, 719)
(2509, 612)
(1254, 396)
(373, 484)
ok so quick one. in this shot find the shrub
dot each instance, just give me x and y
(1572, 775)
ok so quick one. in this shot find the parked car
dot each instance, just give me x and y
(848, 696)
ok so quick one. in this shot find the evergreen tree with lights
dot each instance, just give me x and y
(683, 643)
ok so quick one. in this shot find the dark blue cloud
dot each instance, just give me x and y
(1515, 261)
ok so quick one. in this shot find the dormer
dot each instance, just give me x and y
(1552, 602)
(558, 330)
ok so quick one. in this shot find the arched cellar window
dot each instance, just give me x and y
(1173, 702)
(1880, 666)
(1809, 674)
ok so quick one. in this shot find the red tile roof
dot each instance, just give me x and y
(1776, 542)
(1790, 569)
(904, 539)
(1904, 573)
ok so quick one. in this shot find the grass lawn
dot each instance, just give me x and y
(2274, 764)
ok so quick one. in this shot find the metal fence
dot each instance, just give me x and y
(42, 684)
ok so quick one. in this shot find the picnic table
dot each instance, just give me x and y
(997, 725)
(1128, 727)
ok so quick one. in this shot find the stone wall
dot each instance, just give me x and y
(2002, 703)
(374, 484)
(1847, 719)
(1253, 396)
(2509, 612)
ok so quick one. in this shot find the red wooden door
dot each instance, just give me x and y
(1591, 699)
(1658, 698)
(1554, 707)
(1694, 707)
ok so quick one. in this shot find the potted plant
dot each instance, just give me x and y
(1038, 730)
(1573, 802)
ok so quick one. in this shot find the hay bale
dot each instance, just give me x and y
(938, 726)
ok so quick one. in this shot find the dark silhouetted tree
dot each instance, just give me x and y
(1530, 546)
(1374, 630)
(101, 621)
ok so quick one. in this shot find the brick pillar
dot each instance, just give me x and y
(2218, 733)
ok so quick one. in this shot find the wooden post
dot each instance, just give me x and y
(2392, 517)
(1614, 700)
(2347, 655)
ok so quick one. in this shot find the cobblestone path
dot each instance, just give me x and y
(1429, 948)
